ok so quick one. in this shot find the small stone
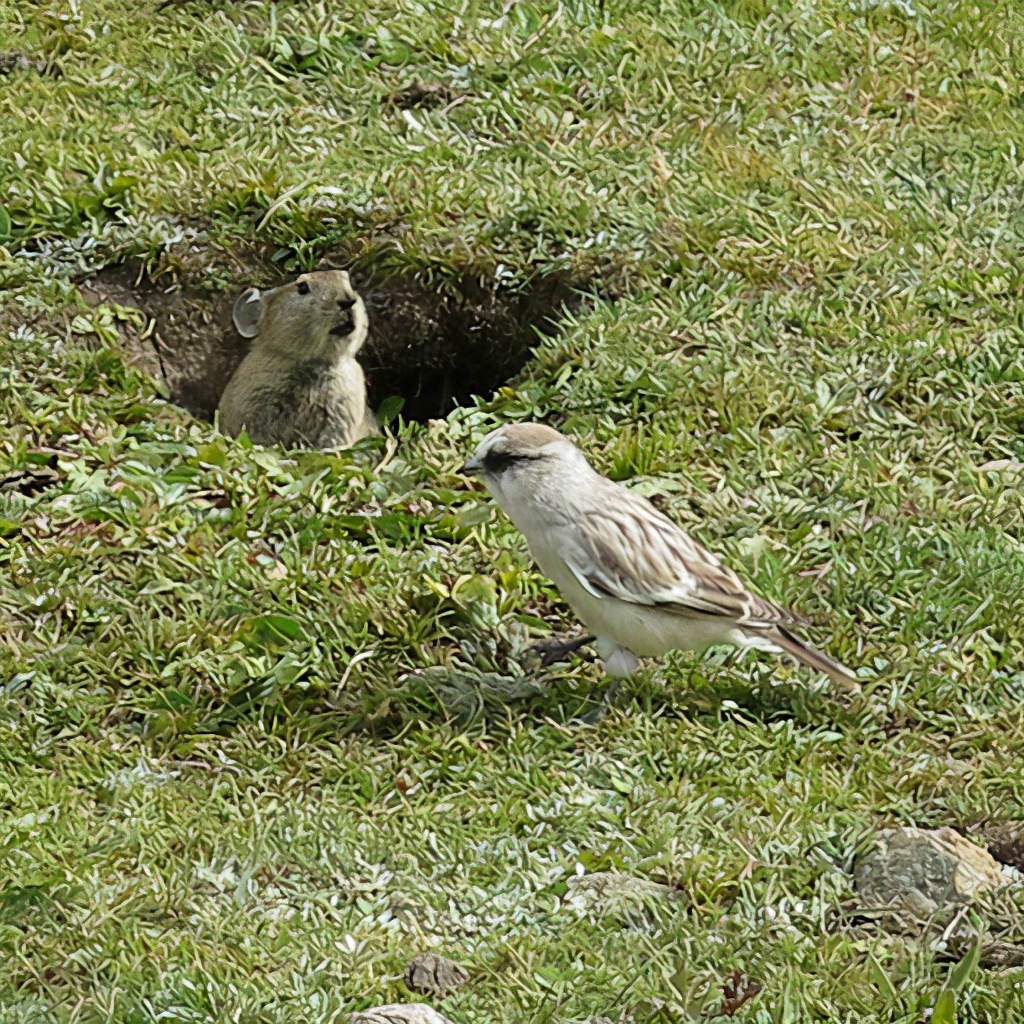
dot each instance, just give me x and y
(399, 1013)
(432, 974)
(923, 871)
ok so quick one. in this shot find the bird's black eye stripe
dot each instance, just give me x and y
(303, 287)
(495, 462)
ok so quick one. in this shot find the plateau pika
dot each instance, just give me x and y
(300, 384)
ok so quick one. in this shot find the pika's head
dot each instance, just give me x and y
(316, 314)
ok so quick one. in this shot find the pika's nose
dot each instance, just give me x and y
(346, 303)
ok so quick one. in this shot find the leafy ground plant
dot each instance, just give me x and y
(267, 727)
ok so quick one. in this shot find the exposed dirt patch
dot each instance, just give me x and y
(1004, 840)
(433, 349)
(12, 61)
(433, 94)
(35, 479)
(437, 351)
(189, 341)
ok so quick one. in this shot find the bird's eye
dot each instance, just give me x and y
(496, 462)
(303, 287)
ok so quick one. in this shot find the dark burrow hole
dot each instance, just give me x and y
(436, 350)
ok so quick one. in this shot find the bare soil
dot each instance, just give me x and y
(435, 349)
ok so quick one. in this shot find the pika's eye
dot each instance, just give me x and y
(303, 287)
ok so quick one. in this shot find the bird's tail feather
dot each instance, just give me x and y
(839, 674)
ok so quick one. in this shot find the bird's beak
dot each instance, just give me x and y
(471, 468)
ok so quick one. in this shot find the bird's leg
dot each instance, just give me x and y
(607, 701)
(551, 651)
(618, 662)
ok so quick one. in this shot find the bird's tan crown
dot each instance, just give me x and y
(528, 437)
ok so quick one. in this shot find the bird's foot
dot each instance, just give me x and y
(548, 652)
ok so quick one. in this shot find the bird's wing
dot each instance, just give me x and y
(626, 549)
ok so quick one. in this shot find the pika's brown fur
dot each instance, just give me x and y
(300, 385)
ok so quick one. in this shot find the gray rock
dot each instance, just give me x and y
(923, 872)
(399, 1013)
(432, 974)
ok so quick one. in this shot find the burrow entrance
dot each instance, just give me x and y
(435, 350)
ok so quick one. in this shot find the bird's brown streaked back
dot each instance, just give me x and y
(671, 570)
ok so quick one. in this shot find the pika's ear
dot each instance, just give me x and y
(246, 313)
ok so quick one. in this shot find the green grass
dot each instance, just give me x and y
(264, 730)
